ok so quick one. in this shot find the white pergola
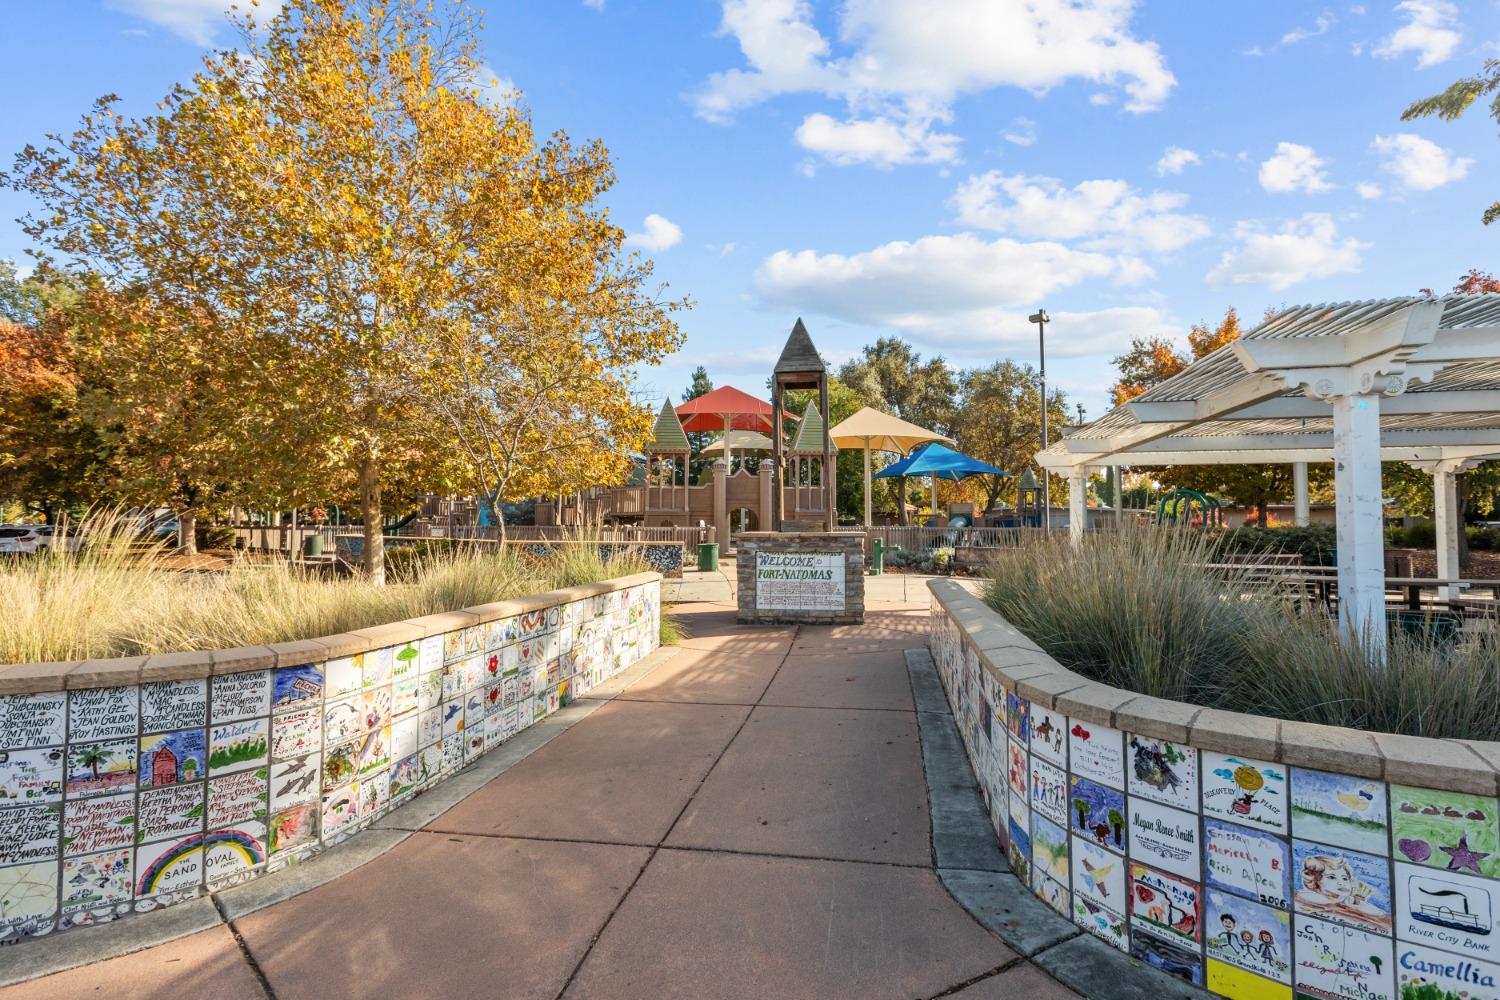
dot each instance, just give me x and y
(1411, 379)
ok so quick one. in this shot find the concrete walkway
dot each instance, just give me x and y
(750, 819)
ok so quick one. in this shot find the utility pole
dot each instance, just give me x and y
(1041, 319)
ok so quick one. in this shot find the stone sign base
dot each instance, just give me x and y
(801, 577)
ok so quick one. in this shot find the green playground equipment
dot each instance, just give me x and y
(1176, 507)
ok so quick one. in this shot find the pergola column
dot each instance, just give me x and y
(1361, 538)
(721, 504)
(1078, 508)
(1303, 512)
(1446, 520)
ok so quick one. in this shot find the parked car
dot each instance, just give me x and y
(20, 537)
(48, 536)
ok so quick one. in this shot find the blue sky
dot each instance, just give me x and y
(937, 170)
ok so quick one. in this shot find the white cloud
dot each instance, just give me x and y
(1369, 190)
(1106, 214)
(1419, 163)
(1294, 168)
(1023, 133)
(657, 233)
(925, 283)
(1431, 31)
(878, 141)
(1320, 26)
(198, 21)
(1175, 159)
(1309, 247)
(493, 87)
(904, 64)
(594, 4)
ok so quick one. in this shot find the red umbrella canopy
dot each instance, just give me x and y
(709, 411)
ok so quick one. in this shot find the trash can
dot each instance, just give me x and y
(312, 546)
(877, 557)
(708, 557)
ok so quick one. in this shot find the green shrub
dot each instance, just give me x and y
(1137, 610)
(1314, 542)
(215, 536)
(1482, 539)
(1419, 535)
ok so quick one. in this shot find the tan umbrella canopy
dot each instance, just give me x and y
(875, 431)
(739, 442)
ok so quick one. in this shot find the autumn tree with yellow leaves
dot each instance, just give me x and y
(338, 208)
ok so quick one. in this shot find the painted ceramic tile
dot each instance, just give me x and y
(295, 781)
(404, 694)
(1336, 962)
(31, 775)
(374, 793)
(1050, 891)
(169, 758)
(1246, 861)
(32, 720)
(340, 809)
(429, 726)
(431, 654)
(376, 709)
(1254, 937)
(1337, 809)
(296, 733)
(404, 735)
(1447, 910)
(1231, 981)
(292, 828)
(229, 853)
(1097, 813)
(340, 765)
(375, 750)
(103, 713)
(1049, 848)
(408, 774)
(97, 768)
(453, 681)
(1163, 771)
(453, 717)
(453, 645)
(237, 799)
(342, 676)
(1426, 974)
(172, 812)
(296, 687)
(377, 666)
(1164, 838)
(1249, 792)
(1020, 850)
(1017, 770)
(343, 720)
(1049, 791)
(28, 899)
(1017, 710)
(169, 866)
(1346, 887)
(1097, 753)
(98, 824)
(1164, 904)
(29, 833)
(1448, 830)
(1168, 956)
(235, 746)
(1049, 735)
(240, 696)
(1099, 899)
(167, 705)
(95, 880)
(429, 690)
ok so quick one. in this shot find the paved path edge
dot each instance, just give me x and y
(32, 960)
(975, 873)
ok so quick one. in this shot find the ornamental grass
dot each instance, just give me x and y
(1140, 610)
(118, 596)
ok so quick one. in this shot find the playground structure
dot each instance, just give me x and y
(1176, 507)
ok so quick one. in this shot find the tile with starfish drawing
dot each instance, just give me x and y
(1448, 830)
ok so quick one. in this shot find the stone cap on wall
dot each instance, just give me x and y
(120, 671)
(796, 536)
(1471, 766)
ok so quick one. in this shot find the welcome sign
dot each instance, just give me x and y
(799, 581)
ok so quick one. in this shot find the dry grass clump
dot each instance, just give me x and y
(116, 596)
(1136, 610)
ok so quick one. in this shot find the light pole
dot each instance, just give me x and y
(1041, 319)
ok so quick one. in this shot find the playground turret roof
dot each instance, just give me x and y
(809, 437)
(667, 436)
(799, 355)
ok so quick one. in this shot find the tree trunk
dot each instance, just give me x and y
(369, 506)
(1461, 501)
(187, 533)
(901, 501)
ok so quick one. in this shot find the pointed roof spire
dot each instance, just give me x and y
(799, 354)
(808, 440)
(667, 436)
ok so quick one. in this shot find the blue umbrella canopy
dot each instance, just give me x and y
(939, 460)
